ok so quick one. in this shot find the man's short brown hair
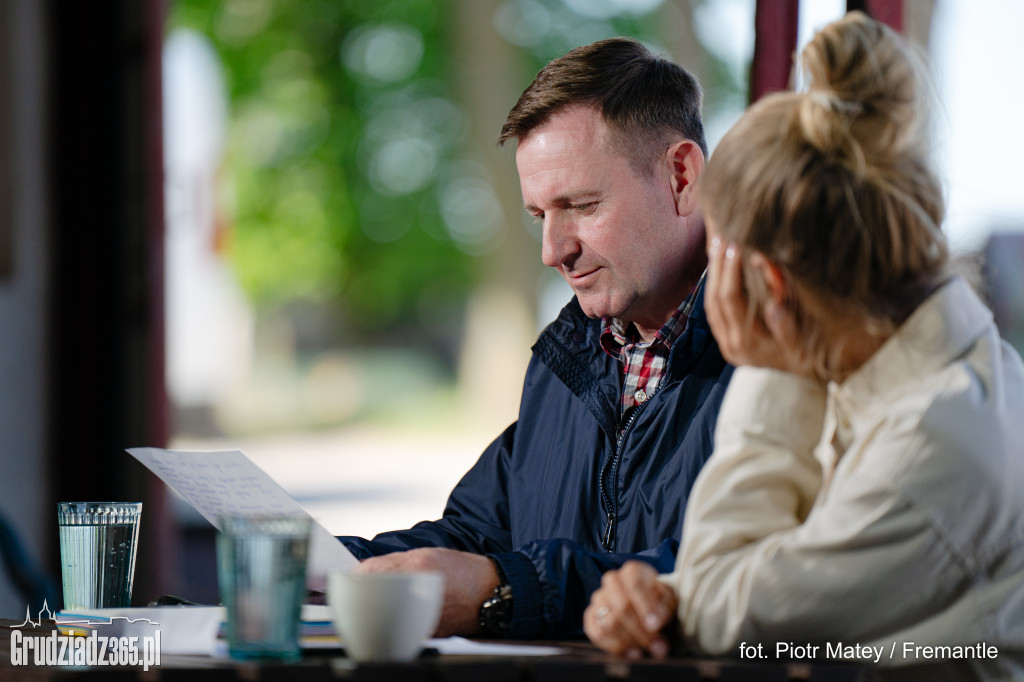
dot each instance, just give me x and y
(646, 100)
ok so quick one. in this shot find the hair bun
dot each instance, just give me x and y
(862, 99)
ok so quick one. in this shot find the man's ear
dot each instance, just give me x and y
(686, 161)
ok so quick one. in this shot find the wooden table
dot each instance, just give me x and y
(582, 662)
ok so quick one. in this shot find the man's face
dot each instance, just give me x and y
(617, 238)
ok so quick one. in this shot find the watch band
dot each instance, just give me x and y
(495, 614)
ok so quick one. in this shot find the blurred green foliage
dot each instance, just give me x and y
(330, 158)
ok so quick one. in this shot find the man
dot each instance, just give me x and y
(623, 390)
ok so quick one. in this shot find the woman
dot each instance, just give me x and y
(867, 484)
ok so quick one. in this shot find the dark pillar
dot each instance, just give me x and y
(106, 345)
(775, 26)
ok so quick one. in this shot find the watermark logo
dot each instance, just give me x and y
(77, 642)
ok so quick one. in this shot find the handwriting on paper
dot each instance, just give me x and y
(222, 483)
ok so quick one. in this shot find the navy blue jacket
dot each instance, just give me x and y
(568, 492)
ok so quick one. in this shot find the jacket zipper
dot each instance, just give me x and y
(611, 466)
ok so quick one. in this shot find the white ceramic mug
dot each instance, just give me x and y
(385, 616)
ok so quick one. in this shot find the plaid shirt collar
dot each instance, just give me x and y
(618, 337)
(643, 364)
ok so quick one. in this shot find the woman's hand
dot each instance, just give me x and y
(629, 610)
(768, 339)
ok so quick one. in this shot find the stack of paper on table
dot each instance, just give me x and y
(182, 629)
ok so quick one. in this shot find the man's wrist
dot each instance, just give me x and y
(495, 614)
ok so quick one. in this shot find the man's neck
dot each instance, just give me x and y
(647, 333)
(644, 326)
(648, 328)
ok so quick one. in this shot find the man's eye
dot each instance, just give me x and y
(586, 208)
(538, 217)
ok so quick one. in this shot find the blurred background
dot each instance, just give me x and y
(283, 226)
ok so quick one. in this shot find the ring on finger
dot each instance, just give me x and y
(600, 614)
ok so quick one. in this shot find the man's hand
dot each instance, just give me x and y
(629, 610)
(469, 581)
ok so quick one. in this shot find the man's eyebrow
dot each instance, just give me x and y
(568, 199)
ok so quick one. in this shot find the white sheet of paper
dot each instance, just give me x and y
(219, 483)
(460, 646)
(184, 630)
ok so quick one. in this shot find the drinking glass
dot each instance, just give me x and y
(97, 552)
(261, 567)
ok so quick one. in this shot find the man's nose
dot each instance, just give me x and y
(559, 242)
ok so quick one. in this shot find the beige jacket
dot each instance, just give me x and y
(883, 512)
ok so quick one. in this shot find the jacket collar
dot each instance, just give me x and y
(940, 330)
(570, 347)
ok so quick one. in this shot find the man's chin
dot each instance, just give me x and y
(596, 309)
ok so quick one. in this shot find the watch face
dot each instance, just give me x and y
(495, 614)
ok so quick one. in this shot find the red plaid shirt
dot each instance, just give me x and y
(643, 362)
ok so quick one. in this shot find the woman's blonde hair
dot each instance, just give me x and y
(834, 184)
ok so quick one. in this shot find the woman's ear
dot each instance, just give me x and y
(686, 161)
(771, 273)
(778, 310)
